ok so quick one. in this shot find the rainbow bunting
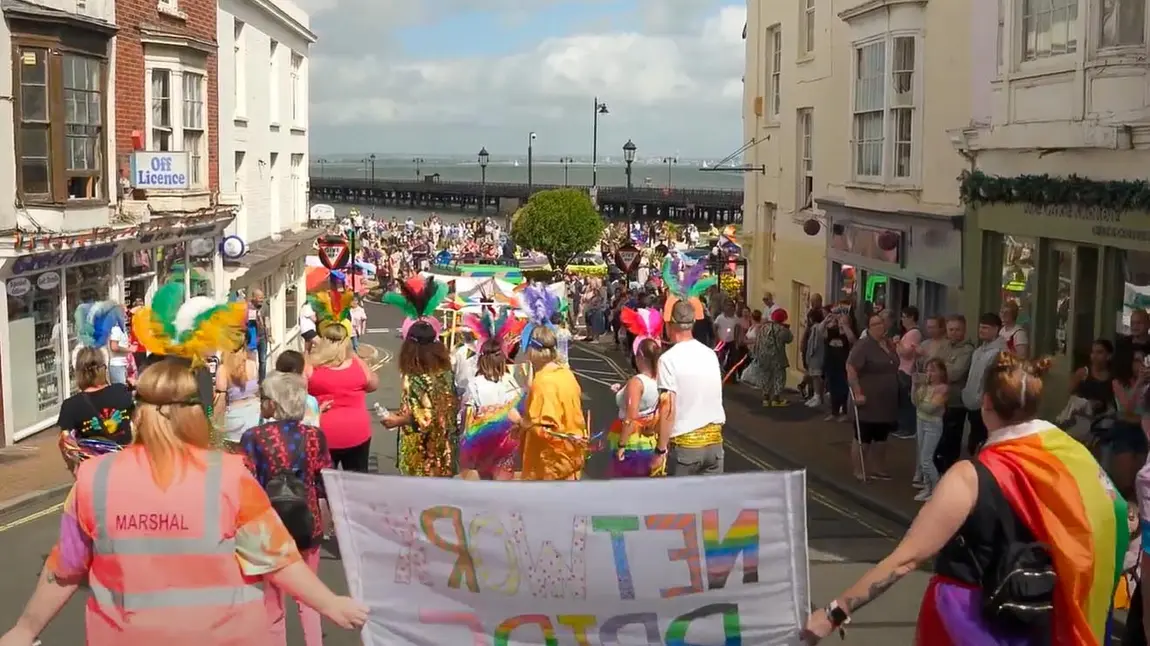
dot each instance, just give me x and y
(1057, 488)
(487, 439)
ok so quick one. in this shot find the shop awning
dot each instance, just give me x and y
(266, 256)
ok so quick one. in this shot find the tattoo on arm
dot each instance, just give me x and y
(876, 589)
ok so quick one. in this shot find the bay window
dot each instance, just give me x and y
(194, 126)
(1121, 23)
(61, 148)
(1049, 28)
(885, 115)
(177, 121)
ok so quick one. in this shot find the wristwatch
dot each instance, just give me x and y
(659, 451)
(837, 614)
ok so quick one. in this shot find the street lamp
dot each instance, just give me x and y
(565, 161)
(484, 157)
(629, 157)
(371, 189)
(417, 161)
(322, 162)
(530, 163)
(599, 108)
(670, 161)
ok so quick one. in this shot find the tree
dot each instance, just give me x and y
(560, 224)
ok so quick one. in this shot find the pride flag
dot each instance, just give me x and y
(487, 438)
(1068, 502)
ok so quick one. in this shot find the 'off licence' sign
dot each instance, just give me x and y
(160, 170)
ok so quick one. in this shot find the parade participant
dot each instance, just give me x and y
(193, 578)
(195, 330)
(493, 403)
(691, 427)
(634, 435)
(238, 379)
(690, 288)
(429, 405)
(555, 435)
(340, 382)
(1029, 535)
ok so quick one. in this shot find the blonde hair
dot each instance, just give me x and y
(91, 368)
(543, 348)
(236, 366)
(1014, 387)
(332, 346)
(169, 421)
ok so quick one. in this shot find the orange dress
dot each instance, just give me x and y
(555, 439)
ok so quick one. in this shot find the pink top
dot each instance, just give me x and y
(346, 422)
(908, 350)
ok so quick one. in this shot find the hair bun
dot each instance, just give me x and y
(1007, 362)
(1039, 367)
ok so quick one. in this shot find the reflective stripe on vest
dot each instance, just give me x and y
(211, 543)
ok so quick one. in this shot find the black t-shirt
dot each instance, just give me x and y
(100, 414)
(838, 347)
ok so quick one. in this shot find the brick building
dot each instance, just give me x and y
(167, 145)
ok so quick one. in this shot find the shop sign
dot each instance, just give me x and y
(1105, 223)
(18, 286)
(160, 237)
(233, 247)
(52, 260)
(201, 247)
(160, 170)
(48, 280)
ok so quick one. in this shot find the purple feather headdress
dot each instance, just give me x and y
(539, 305)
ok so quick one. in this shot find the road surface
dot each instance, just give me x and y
(842, 543)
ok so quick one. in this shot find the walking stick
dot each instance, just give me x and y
(858, 437)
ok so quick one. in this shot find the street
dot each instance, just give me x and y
(842, 543)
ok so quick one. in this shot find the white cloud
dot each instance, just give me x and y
(673, 83)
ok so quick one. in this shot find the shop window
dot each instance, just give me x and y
(291, 296)
(1063, 259)
(139, 271)
(202, 281)
(1018, 278)
(36, 334)
(170, 261)
(845, 286)
(60, 147)
(84, 284)
(1135, 287)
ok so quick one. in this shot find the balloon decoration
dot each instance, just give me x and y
(812, 227)
(888, 240)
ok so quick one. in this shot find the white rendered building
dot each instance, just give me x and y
(263, 70)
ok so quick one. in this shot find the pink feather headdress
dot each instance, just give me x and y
(644, 323)
(487, 327)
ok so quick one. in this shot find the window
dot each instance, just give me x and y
(902, 104)
(774, 73)
(808, 27)
(60, 146)
(239, 69)
(274, 192)
(806, 158)
(296, 187)
(239, 165)
(869, 109)
(194, 126)
(1000, 42)
(1048, 28)
(161, 110)
(1122, 23)
(297, 98)
(273, 84)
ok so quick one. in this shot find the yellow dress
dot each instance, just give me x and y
(555, 439)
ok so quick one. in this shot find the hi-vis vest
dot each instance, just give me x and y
(164, 569)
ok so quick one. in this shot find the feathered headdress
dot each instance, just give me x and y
(644, 323)
(689, 288)
(95, 322)
(487, 327)
(418, 297)
(195, 329)
(539, 306)
(332, 307)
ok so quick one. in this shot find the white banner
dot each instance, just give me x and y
(718, 561)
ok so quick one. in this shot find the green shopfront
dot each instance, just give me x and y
(1072, 253)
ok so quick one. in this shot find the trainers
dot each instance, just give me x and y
(814, 402)
(904, 435)
(918, 485)
(923, 495)
(830, 418)
(780, 403)
(842, 418)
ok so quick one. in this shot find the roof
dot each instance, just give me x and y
(33, 11)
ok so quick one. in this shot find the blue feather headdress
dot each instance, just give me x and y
(95, 322)
(539, 306)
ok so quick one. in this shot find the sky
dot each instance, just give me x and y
(445, 77)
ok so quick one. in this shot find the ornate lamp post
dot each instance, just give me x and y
(629, 149)
(670, 162)
(600, 108)
(484, 157)
(530, 163)
(566, 161)
(322, 162)
(371, 186)
(417, 161)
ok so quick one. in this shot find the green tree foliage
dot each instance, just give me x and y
(560, 224)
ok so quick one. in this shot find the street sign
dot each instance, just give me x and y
(627, 258)
(333, 252)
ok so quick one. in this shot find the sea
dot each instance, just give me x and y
(685, 173)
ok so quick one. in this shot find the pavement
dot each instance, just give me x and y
(844, 538)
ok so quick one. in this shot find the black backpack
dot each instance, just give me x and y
(1019, 585)
(289, 497)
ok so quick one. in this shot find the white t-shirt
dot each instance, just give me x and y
(121, 338)
(691, 370)
(465, 362)
(725, 327)
(483, 393)
(1014, 336)
(306, 319)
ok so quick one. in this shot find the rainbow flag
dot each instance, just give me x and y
(487, 439)
(1068, 502)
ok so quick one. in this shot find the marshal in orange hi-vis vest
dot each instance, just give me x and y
(178, 567)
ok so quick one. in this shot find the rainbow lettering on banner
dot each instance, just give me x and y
(503, 632)
(742, 538)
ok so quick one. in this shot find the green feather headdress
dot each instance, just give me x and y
(693, 283)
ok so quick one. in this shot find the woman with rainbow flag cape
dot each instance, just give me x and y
(494, 401)
(634, 435)
(192, 330)
(1029, 535)
(555, 437)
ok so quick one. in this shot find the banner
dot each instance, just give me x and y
(717, 561)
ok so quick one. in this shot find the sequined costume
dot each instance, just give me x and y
(427, 445)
